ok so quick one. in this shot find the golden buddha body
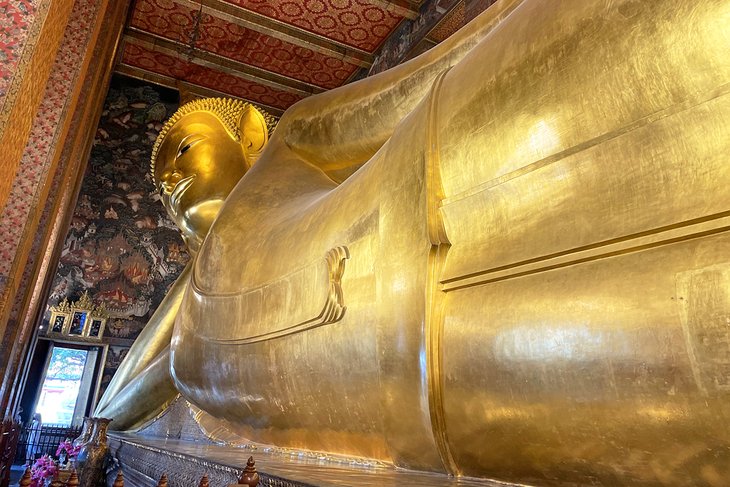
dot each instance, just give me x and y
(204, 149)
(507, 258)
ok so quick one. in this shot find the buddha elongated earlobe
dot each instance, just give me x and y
(254, 133)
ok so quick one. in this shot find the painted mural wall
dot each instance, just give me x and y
(121, 246)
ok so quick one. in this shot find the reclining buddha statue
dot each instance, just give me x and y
(508, 258)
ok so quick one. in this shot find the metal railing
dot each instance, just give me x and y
(36, 441)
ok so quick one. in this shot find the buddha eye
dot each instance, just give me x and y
(188, 142)
(184, 149)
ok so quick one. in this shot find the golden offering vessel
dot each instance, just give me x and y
(507, 258)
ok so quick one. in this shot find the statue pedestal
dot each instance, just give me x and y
(174, 444)
(144, 460)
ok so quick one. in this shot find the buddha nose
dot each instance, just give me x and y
(169, 180)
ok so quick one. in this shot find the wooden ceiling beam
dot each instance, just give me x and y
(220, 63)
(280, 30)
(179, 85)
(404, 8)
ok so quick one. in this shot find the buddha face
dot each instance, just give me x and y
(198, 165)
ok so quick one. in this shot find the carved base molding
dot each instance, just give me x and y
(144, 464)
(143, 461)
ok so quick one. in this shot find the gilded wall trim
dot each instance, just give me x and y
(26, 45)
(36, 69)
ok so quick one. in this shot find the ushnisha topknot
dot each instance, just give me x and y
(228, 110)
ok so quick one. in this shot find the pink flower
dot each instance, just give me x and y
(67, 446)
(43, 468)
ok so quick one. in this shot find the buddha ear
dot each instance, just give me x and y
(254, 133)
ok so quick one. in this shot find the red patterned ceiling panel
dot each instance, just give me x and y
(141, 57)
(267, 52)
(177, 22)
(357, 23)
(164, 18)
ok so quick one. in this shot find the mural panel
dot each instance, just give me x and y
(121, 247)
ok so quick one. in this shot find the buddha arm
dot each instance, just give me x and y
(153, 340)
(354, 121)
(143, 397)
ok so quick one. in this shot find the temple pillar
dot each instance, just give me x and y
(50, 107)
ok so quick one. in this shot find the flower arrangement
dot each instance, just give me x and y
(67, 448)
(46, 467)
(43, 468)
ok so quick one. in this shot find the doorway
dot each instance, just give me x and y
(60, 395)
(63, 382)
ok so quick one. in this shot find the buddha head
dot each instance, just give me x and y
(202, 152)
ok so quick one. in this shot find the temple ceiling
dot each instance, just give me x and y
(270, 52)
